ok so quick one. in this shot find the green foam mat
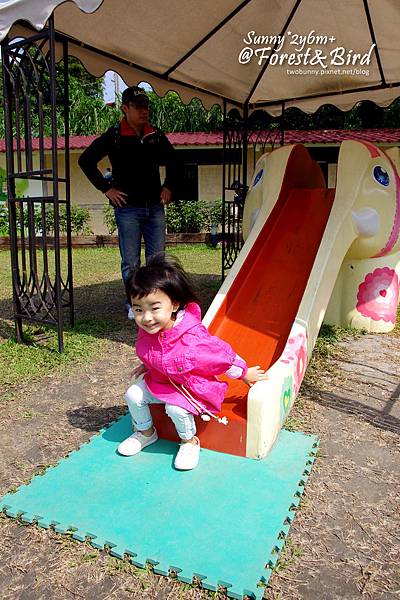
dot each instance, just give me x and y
(223, 523)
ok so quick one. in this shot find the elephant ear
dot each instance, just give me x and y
(254, 198)
(353, 164)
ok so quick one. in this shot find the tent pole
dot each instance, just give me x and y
(223, 192)
(245, 144)
(12, 209)
(31, 96)
(69, 283)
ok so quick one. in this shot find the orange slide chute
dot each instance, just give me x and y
(259, 309)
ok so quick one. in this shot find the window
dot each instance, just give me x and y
(188, 182)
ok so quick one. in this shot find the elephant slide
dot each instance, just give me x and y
(311, 254)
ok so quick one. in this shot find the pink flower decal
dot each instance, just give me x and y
(378, 295)
(295, 353)
(301, 365)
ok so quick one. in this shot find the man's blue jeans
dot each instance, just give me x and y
(133, 222)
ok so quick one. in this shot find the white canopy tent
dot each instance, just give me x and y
(302, 53)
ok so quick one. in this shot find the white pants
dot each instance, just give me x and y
(138, 398)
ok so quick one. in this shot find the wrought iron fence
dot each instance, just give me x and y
(241, 134)
(35, 106)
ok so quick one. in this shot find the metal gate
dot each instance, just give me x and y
(241, 134)
(36, 114)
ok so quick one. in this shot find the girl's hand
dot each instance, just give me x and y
(255, 374)
(140, 370)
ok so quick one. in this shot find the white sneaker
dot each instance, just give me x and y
(188, 456)
(131, 314)
(136, 442)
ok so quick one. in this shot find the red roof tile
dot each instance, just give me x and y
(198, 138)
(329, 136)
(322, 136)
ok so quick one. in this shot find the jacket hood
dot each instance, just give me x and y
(191, 319)
(188, 355)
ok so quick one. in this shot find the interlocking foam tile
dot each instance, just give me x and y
(222, 523)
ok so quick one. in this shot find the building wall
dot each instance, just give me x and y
(23, 187)
(210, 182)
(85, 195)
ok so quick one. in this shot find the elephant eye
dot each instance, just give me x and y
(381, 176)
(258, 177)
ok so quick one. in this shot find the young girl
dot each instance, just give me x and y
(180, 359)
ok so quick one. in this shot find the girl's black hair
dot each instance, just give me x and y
(165, 273)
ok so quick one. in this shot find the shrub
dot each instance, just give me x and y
(79, 219)
(193, 216)
(190, 216)
(173, 218)
(214, 214)
(4, 224)
(185, 217)
(109, 218)
(4, 220)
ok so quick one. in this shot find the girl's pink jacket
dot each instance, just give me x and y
(187, 354)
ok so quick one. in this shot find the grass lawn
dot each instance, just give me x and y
(99, 312)
(101, 318)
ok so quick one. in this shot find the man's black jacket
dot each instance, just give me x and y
(134, 161)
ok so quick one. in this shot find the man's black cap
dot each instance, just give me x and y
(134, 94)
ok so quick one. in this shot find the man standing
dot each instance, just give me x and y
(135, 150)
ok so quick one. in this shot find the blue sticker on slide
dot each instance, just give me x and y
(258, 177)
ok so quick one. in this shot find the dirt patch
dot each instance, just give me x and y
(344, 542)
(347, 528)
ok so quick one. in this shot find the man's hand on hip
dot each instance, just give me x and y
(165, 196)
(116, 197)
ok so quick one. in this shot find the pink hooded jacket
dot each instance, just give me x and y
(187, 354)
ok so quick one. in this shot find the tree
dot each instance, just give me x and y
(92, 86)
(391, 114)
(169, 113)
(89, 115)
